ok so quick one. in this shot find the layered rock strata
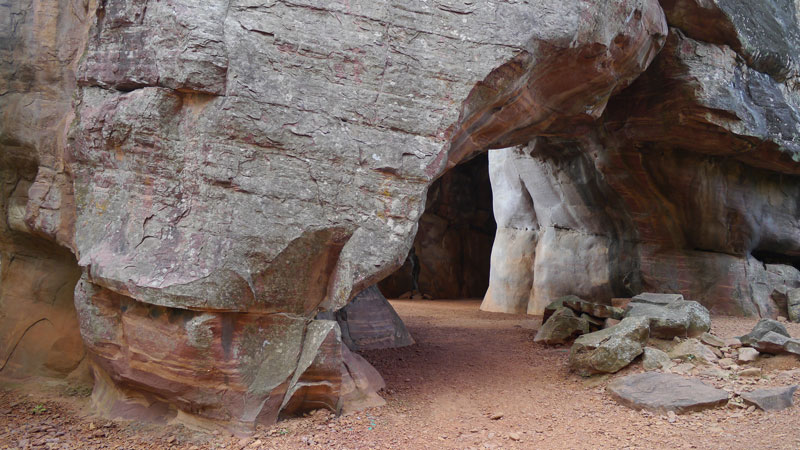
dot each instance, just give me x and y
(222, 175)
(228, 175)
(687, 183)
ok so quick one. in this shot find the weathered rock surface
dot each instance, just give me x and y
(610, 349)
(691, 179)
(369, 322)
(694, 351)
(655, 359)
(157, 363)
(221, 160)
(761, 328)
(793, 304)
(710, 339)
(555, 305)
(774, 399)
(747, 354)
(656, 299)
(595, 309)
(675, 318)
(561, 327)
(662, 392)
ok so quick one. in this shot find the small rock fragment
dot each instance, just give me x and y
(750, 372)
(655, 359)
(732, 343)
(692, 350)
(726, 363)
(747, 354)
(710, 339)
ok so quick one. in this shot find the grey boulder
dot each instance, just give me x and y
(793, 304)
(662, 392)
(763, 327)
(610, 349)
(676, 318)
(774, 399)
(561, 327)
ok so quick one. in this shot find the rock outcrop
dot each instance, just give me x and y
(222, 176)
(687, 185)
(220, 173)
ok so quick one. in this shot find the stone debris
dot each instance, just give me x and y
(751, 372)
(732, 343)
(595, 309)
(674, 318)
(793, 304)
(610, 349)
(562, 327)
(726, 363)
(655, 359)
(656, 299)
(773, 399)
(747, 354)
(710, 339)
(663, 392)
(771, 342)
(763, 327)
(555, 305)
(692, 350)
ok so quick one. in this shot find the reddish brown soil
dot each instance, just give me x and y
(466, 367)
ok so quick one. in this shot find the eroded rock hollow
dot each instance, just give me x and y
(219, 174)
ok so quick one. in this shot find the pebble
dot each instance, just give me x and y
(514, 436)
(496, 416)
(671, 417)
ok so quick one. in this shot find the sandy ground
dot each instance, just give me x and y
(473, 380)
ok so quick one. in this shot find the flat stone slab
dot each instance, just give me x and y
(664, 392)
(595, 309)
(774, 399)
(656, 299)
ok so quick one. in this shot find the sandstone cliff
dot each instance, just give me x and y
(218, 173)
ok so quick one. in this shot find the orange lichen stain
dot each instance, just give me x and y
(101, 207)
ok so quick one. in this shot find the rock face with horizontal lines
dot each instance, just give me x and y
(223, 172)
(687, 184)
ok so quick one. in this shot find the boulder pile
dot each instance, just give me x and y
(610, 337)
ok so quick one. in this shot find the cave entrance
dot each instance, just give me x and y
(454, 240)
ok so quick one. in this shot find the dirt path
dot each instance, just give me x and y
(467, 367)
